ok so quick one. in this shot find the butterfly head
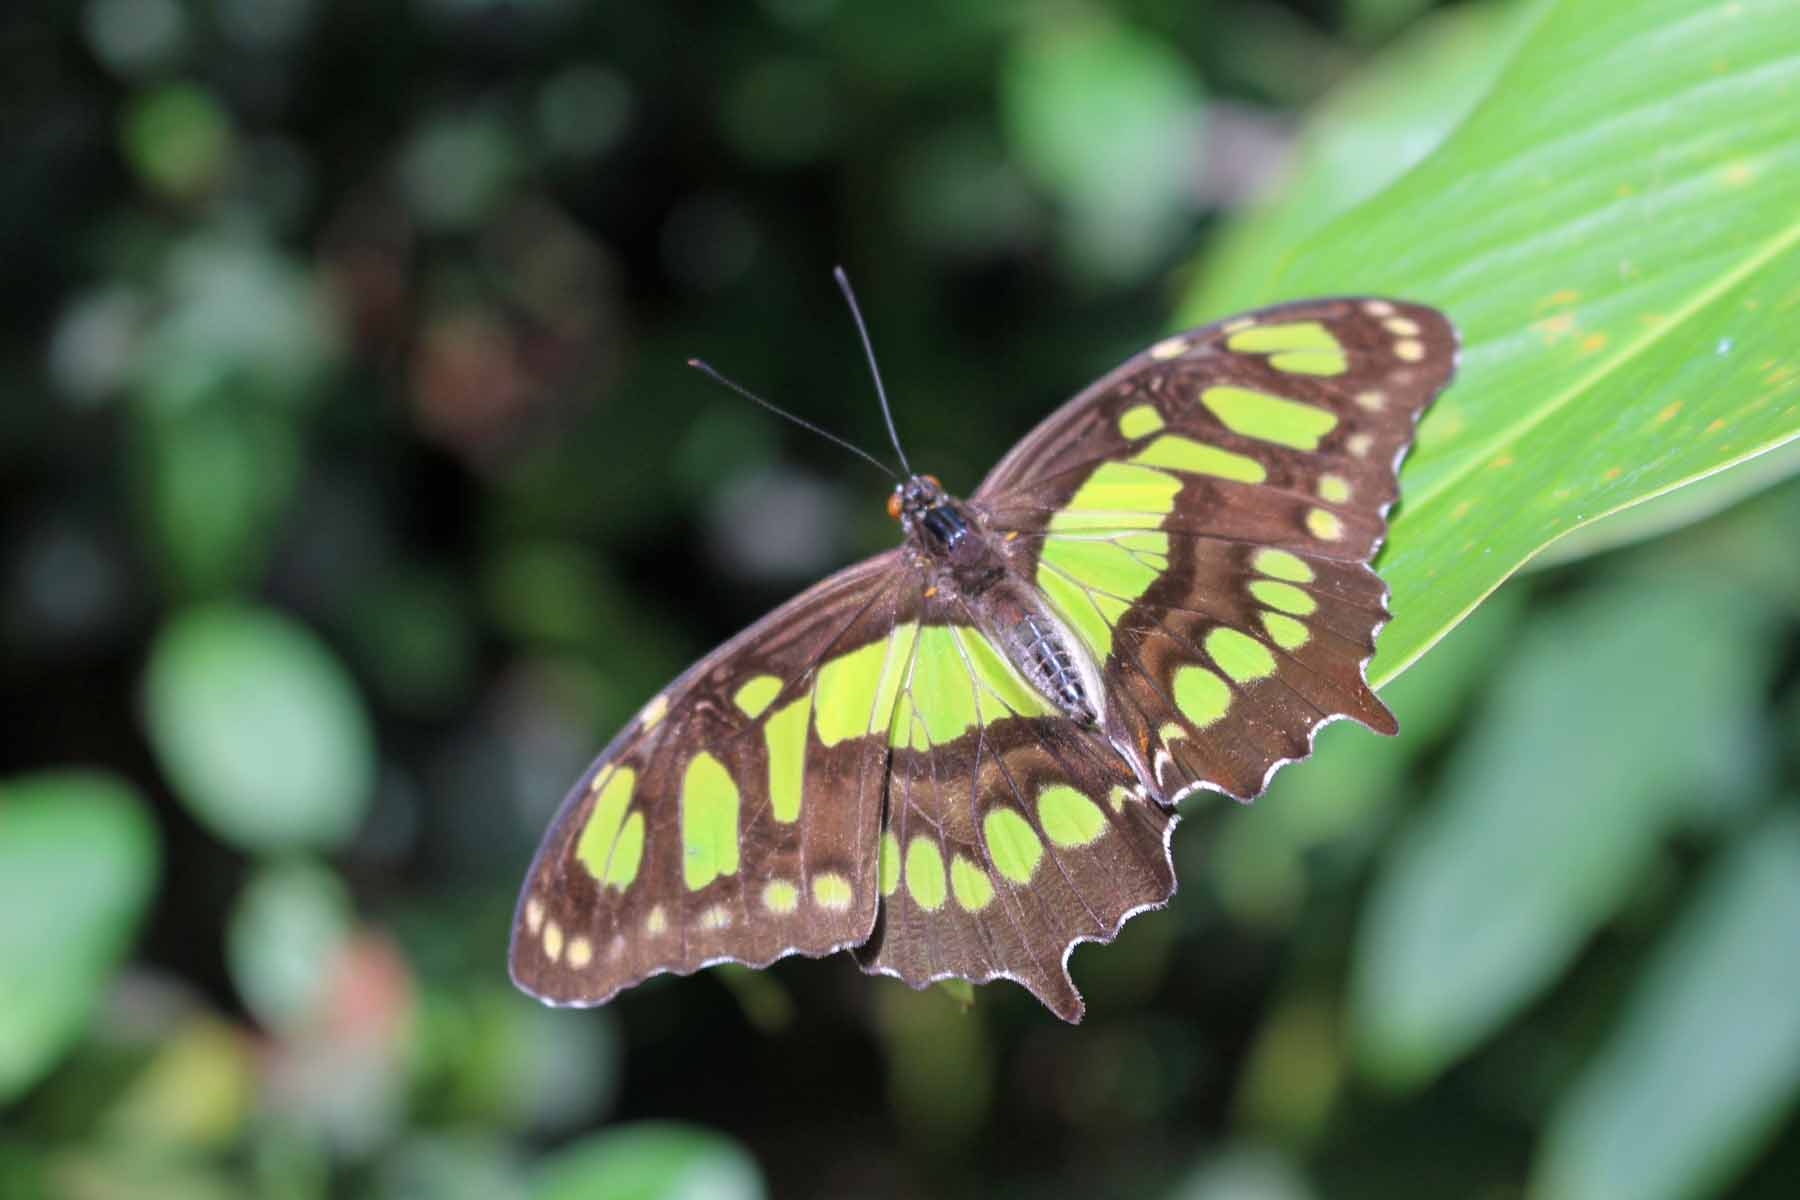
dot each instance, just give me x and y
(912, 498)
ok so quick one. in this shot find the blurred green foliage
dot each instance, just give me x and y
(355, 492)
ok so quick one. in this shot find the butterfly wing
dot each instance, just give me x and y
(736, 818)
(1203, 517)
(1011, 833)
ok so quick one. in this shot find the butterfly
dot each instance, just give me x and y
(963, 757)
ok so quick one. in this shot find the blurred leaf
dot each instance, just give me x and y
(284, 936)
(649, 1161)
(458, 167)
(766, 1003)
(78, 863)
(940, 1073)
(782, 111)
(239, 321)
(178, 137)
(466, 1167)
(1551, 806)
(1110, 119)
(258, 728)
(1620, 257)
(1345, 795)
(1705, 1062)
(217, 481)
(1368, 133)
(194, 1093)
(1246, 1172)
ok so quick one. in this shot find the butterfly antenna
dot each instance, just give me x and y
(829, 436)
(887, 413)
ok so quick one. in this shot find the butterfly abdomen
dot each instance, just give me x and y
(1051, 663)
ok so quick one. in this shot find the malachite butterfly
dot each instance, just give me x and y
(962, 757)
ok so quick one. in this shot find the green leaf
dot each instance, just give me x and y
(78, 863)
(285, 936)
(259, 729)
(1110, 120)
(1368, 133)
(1551, 807)
(1706, 1060)
(650, 1161)
(1614, 230)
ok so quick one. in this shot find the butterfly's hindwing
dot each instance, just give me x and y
(1011, 833)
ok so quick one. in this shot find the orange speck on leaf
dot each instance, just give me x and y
(1668, 411)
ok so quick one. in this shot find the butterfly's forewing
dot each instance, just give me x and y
(1011, 833)
(1203, 517)
(737, 816)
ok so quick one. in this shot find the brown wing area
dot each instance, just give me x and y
(1009, 842)
(1377, 399)
(1224, 711)
(729, 821)
(1204, 516)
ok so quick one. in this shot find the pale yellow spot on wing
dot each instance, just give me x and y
(534, 915)
(1359, 444)
(1281, 564)
(1069, 818)
(1168, 348)
(1118, 797)
(581, 953)
(716, 917)
(757, 694)
(1409, 350)
(832, 891)
(1373, 401)
(553, 941)
(974, 890)
(657, 921)
(1171, 732)
(1012, 845)
(1285, 631)
(889, 872)
(1324, 525)
(1237, 323)
(780, 896)
(925, 873)
(1239, 655)
(1378, 308)
(656, 710)
(1334, 489)
(1405, 326)
(1139, 420)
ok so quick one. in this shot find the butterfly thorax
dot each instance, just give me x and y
(970, 567)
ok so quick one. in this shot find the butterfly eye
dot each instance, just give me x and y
(894, 505)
